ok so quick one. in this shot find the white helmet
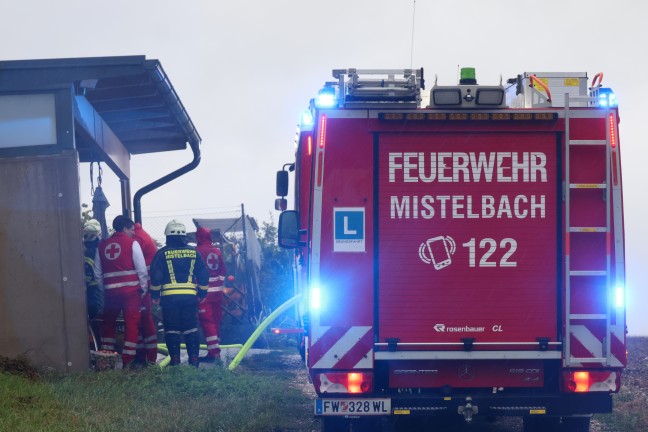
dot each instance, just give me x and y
(91, 230)
(175, 227)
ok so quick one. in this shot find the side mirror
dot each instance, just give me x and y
(288, 231)
(281, 204)
(282, 183)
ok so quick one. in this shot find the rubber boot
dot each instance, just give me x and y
(193, 348)
(173, 345)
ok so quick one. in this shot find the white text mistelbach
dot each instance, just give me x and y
(467, 206)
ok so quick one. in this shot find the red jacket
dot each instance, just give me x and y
(149, 247)
(120, 263)
(213, 258)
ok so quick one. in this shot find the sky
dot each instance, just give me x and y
(244, 71)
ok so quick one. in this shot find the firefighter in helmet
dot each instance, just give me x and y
(210, 311)
(120, 268)
(94, 293)
(178, 277)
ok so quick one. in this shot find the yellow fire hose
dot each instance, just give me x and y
(260, 330)
(162, 348)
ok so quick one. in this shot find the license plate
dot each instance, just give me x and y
(341, 407)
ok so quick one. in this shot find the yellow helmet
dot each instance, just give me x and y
(91, 230)
(175, 227)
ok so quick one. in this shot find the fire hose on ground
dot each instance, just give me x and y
(162, 348)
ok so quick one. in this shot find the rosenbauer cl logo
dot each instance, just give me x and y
(441, 328)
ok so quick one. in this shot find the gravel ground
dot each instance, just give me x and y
(631, 403)
(636, 375)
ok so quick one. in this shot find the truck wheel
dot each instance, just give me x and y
(575, 424)
(541, 424)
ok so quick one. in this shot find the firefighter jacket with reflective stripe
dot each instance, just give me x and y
(119, 263)
(177, 271)
(91, 282)
(94, 293)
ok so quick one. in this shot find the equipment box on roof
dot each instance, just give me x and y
(533, 95)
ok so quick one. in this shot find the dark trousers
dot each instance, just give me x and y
(180, 318)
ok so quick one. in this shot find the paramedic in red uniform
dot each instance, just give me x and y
(121, 270)
(178, 276)
(210, 311)
(147, 340)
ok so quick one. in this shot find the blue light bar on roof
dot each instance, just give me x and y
(326, 98)
(607, 98)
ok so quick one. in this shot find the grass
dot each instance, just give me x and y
(175, 399)
(259, 396)
(630, 412)
(631, 403)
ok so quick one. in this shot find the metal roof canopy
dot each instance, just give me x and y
(122, 105)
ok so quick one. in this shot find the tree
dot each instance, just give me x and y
(86, 213)
(276, 276)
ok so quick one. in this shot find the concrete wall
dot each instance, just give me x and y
(42, 287)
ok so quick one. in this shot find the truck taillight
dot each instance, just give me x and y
(582, 381)
(613, 137)
(322, 131)
(310, 145)
(344, 382)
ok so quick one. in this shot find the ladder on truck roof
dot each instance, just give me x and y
(571, 328)
(380, 88)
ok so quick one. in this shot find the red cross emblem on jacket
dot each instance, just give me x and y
(112, 251)
(212, 261)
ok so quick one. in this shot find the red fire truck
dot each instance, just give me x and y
(463, 256)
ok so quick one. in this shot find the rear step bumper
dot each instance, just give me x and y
(499, 405)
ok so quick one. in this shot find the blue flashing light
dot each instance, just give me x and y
(307, 120)
(326, 98)
(619, 300)
(607, 98)
(315, 298)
